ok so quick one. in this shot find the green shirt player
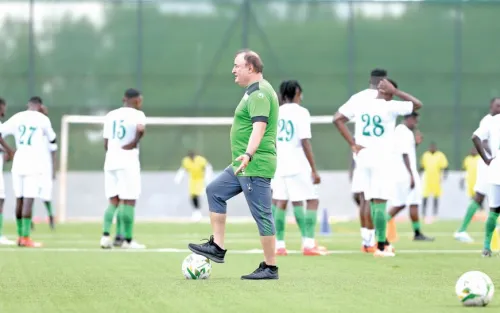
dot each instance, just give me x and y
(253, 148)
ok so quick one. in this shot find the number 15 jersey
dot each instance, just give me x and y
(120, 128)
(294, 124)
(375, 122)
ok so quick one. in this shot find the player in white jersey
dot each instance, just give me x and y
(123, 129)
(296, 177)
(490, 131)
(375, 122)
(31, 129)
(482, 186)
(357, 185)
(408, 189)
(3, 157)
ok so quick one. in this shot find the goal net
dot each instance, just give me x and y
(80, 188)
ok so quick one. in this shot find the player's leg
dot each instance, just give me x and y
(30, 191)
(257, 192)
(415, 223)
(491, 222)
(398, 202)
(364, 216)
(120, 232)
(46, 185)
(3, 239)
(111, 192)
(195, 201)
(129, 190)
(476, 202)
(222, 188)
(435, 204)
(280, 198)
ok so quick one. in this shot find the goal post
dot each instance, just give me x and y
(68, 120)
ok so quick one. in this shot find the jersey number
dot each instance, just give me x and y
(286, 130)
(26, 134)
(118, 129)
(372, 125)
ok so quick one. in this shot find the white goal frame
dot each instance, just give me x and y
(67, 120)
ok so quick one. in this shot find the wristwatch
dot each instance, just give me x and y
(249, 155)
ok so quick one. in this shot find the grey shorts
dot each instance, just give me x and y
(257, 191)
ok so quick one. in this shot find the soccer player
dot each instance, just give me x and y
(3, 157)
(253, 147)
(296, 176)
(200, 171)
(123, 129)
(490, 131)
(375, 121)
(48, 175)
(31, 130)
(433, 164)
(482, 184)
(408, 189)
(469, 165)
(357, 185)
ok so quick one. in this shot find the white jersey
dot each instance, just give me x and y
(120, 128)
(404, 140)
(484, 122)
(294, 124)
(375, 121)
(367, 94)
(490, 130)
(31, 129)
(47, 157)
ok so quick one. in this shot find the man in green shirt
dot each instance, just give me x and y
(253, 148)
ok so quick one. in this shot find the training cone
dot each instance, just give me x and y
(325, 229)
(495, 244)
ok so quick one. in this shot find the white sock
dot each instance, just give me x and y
(371, 237)
(364, 236)
(280, 244)
(309, 243)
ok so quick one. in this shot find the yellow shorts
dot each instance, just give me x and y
(433, 190)
(196, 187)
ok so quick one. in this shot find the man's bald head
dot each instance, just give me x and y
(247, 67)
(252, 58)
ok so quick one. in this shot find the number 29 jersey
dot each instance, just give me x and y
(120, 129)
(294, 125)
(375, 122)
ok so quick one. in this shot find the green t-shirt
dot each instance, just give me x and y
(259, 104)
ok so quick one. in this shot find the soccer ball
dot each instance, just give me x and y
(196, 266)
(475, 289)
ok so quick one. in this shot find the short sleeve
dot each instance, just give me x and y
(7, 128)
(52, 147)
(141, 118)
(348, 108)
(400, 107)
(304, 129)
(482, 132)
(48, 130)
(185, 163)
(259, 106)
(107, 129)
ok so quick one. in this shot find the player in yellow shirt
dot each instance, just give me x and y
(469, 165)
(433, 164)
(199, 171)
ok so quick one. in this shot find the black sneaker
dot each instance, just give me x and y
(118, 241)
(422, 237)
(486, 253)
(264, 271)
(52, 223)
(209, 250)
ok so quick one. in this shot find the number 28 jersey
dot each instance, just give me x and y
(294, 124)
(120, 129)
(375, 122)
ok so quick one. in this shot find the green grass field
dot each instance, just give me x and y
(71, 273)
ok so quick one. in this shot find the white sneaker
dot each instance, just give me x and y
(196, 216)
(106, 242)
(6, 242)
(133, 245)
(384, 254)
(463, 237)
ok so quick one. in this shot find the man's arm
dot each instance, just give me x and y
(53, 154)
(340, 122)
(406, 161)
(486, 145)
(139, 133)
(417, 104)
(258, 131)
(476, 140)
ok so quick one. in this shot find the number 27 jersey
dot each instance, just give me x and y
(375, 122)
(120, 129)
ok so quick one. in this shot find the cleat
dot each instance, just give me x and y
(133, 245)
(463, 237)
(313, 252)
(28, 243)
(52, 223)
(383, 254)
(106, 242)
(262, 272)
(209, 250)
(4, 241)
(390, 248)
(118, 241)
(281, 252)
(422, 237)
(486, 253)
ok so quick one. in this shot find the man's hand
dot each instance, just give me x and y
(386, 86)
(412, 182)
(129, 146)
(315, 177)
(244, 159)
(356, 148)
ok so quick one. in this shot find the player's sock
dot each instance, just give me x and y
(48, 206)
(489, 228)
(26, 221)
(416, 227)
(19, 223)
(109, 214)
(371, 237)
(471, 210)
(298, 211)
(364, 235)
(388, 217)
(119, 223)
(310, 223)
(273, 209)
(128, 221)
(279, 221)
(379, 219)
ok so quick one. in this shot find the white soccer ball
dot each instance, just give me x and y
(475, 289)
(196, 266)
